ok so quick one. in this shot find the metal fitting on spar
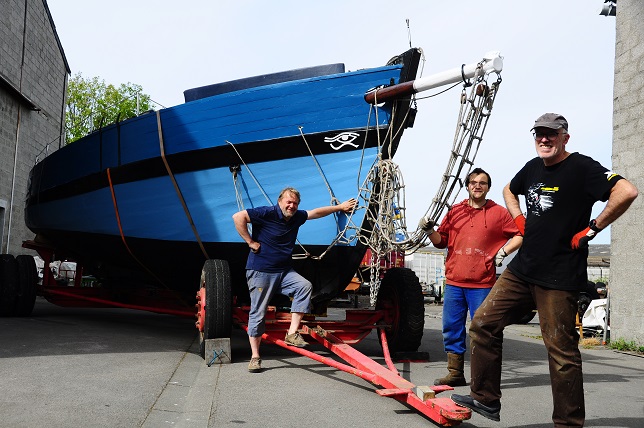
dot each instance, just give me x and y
(492, 63)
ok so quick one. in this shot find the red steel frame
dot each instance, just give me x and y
(337, 336)
(165, 301)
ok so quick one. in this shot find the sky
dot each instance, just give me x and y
(558, 57)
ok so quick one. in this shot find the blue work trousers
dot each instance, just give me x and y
(456, 302)
(263, 285)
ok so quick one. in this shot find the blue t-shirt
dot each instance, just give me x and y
(276, 236)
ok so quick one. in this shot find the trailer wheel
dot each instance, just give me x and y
(27, 279)
(401, 297)
(214, 303)
(8, 284)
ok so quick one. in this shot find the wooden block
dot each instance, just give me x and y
(424, 392)
(218, 351)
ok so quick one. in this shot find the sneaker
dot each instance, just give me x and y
(295, 339)
(490, 412)
(255, 365)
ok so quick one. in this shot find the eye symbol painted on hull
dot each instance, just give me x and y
(343, 139)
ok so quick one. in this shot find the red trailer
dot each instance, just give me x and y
(398, 318)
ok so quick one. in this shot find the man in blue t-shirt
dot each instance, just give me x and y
(560, 189)
(269, 268)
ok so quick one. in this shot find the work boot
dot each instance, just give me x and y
(490, 412)
(455, 363)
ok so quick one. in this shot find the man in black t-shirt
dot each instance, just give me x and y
(560, 189)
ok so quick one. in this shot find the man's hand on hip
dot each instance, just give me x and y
(580, 240)
(500, 255)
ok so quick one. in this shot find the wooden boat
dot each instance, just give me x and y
(145, 205)
(146, 201)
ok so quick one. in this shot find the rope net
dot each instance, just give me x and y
(383, 192)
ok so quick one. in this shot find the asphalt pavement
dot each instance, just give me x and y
(72, 367)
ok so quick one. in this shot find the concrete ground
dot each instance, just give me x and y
(67, 367)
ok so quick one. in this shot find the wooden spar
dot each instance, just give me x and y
(492, 62)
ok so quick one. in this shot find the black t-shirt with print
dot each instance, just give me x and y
(559, 200)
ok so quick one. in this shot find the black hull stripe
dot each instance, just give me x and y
(216, 157)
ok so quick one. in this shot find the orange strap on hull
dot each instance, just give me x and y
(176, 187)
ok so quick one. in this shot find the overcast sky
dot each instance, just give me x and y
(558, 57)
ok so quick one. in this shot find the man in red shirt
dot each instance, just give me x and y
(478, 235)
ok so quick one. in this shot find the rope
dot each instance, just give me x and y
(384, 188)
(118, 222)
(382, 193)
(238, 195)
(472, 121)
(340, 236)
(176, 187)
(251, 173)
(317, 164)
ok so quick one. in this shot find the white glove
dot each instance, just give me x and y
(500, 255)
(426, 225)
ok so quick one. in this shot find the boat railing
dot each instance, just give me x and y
(44, 152)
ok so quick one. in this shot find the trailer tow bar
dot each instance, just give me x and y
(441, 410)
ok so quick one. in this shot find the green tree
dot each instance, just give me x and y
(91, 104)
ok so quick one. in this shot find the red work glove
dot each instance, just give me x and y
(520, 222)
(580, 240)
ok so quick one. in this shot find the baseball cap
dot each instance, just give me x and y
(552, 121)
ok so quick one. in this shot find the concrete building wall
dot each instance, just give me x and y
(627, 233)
(33, 81)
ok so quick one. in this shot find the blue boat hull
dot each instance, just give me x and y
(148, 200)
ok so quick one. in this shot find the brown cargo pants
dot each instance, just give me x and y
(508, 301)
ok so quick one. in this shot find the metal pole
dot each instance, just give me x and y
(607, 315)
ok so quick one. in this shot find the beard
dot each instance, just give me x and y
(287, 215)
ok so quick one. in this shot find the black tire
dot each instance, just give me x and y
(401, 297)
(8, 285)
(28, 279)
(215, 280)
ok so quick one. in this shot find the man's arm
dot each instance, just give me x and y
(513, 244)
(511, 202)
(434, 236)
(621, 197)
(510, 247)
(514, 208)
(346, 206)
(241, 220)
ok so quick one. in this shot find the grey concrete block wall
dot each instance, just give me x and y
(33, 69)
(627, 233)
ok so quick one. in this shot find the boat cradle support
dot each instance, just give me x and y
(336, 336)
(78, 295)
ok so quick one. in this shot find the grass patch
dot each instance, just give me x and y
(538, 337)
(590, 342)
(623, 345)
